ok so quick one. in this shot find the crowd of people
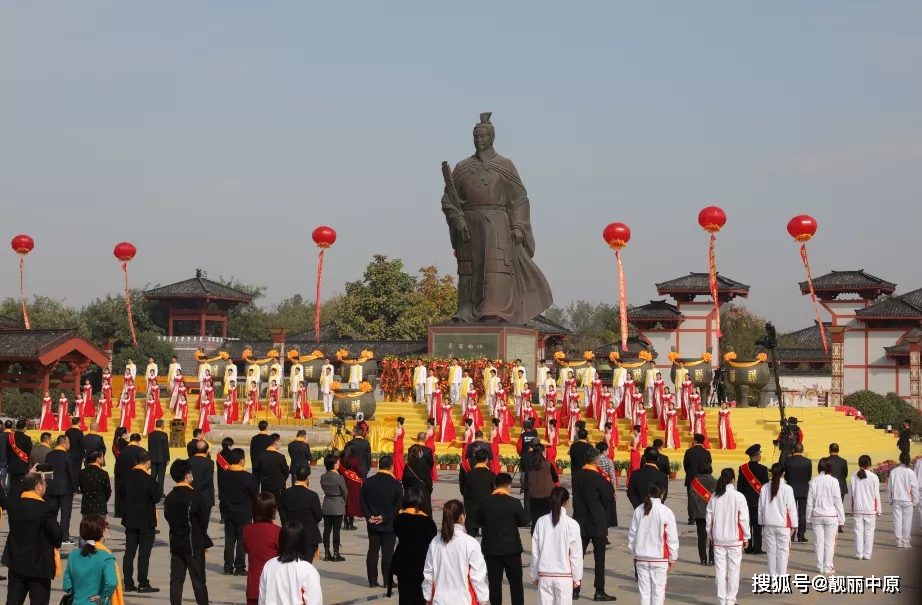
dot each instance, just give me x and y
(275, 525)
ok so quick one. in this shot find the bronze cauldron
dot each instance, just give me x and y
(747, 378)
(369, 371)
(348, 402)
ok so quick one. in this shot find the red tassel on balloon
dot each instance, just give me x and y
(125, 252)
(23, 245)
(802, 228)
(816, 306)
(623, 300)
(712, 219)
(617, 235)
(22, 293)
(324, 237)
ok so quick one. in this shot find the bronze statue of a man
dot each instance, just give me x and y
(488, 216)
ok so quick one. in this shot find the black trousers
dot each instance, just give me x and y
(158, 472)
(691, 499)
(598, 555)
(538, 508)
(19, 587)
(195, 565)
(234, 553)
(140, 543)
(15, 484)
(705, 549)
(65, 504)
(332, 524)
(117, 492)
(801, 518)
(755, 544)
(613, 514)
(511, 566)
(383, 543)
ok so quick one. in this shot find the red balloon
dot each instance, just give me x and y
(124, 251)
(616, 235)
(802, 227)
(22, 244)
(324, 237)
(712, 219)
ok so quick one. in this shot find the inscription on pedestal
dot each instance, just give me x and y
(522, 346)
(465, 345)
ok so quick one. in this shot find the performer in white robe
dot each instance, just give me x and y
(432, 389)
(253, 377)
(203, 367)
(464, 390)
(519, 368)
(619, 376)
(326, 390)
(355, 375)
(295, 376)
(130, 368)
(230, 377)
(491, 385)
(419, 381)
(681, 375)
(177, 385)
(649, 383)
(276, 372)
(171, 373)
(151, 371)
(541, 381)
(587, 376)
(327, 364)
(519, 386)
(455, 372)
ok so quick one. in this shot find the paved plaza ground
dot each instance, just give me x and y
(690, 583)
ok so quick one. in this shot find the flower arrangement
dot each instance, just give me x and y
(646, 355)
(563, 464)
(673, 356)
(762, 357)
(559, 356)
(365, 355)
(588, 355)
(882, 470)
(365, 387)
(614, 356)
(342, 354)
(224, 355)
(706, 357)
(731, 356)
(336, 386)
(273, 354)
(396, 376)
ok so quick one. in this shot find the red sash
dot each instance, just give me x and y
(753, 482)
(222, 462)
(351, 476)
(701, 490)
(21, 454)
(116, 451)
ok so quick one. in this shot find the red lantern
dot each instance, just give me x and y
(23, 245)
(712, 219)
(454, 253)
(617, 235)
(324, 237)
(802, 228)
(125, 252)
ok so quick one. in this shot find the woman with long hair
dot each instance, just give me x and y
(351, 469)
(903, 489)
(399, 462)
(455, 569)
(724, 431)
(557, 553)
(542, 477)
(119, 443)
(700, 490)
(414, 530)
(671, 438)
(635, 451)
(261, 542)
(418, 475)
(778, 518)
(553, 440)
(290, 578)
(727, 522)
(430, 443)
(826, 513)
(866, 507)
(92, 573)
(654, 542)
(495, 439)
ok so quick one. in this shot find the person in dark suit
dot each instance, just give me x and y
(500, 516)
(477, 484)
(224, 457)
(381, 499)
(578, 450)
(59, 493)
(75, 437)
(18, 447)
(418, 473)
(273, 468)
(798, 470)
(839, 470)
(638, 486)
(40, 451)
(414, 533)
(592, 496)
(158, 446)
(127, 460)
(119, 445)
(197, 435)
(203, 476)
(362, 450)
(300, 503)
(258, 445)
(140, 519)
(95, 487)
(691, 462)
(751, 477)
(238, 490)
(299, 455)
(479, 443)
(187, 516)
(662, 460)
(29, 549)
(93, 442)
(905, 439)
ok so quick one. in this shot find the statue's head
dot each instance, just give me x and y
(484, 133)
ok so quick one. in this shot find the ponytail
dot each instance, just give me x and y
(864, 462)
(727, 476)
(777, 472)
(655, 491)
(88, 549)
(559, 498)
(450, 515)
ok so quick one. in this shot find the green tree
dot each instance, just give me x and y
(298, 314)
(741, 328)
(149, 345)
(46, 313)
(592, 324)
(434, 300)
(248, 322)
(107, 317)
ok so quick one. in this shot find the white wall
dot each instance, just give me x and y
(800, 390)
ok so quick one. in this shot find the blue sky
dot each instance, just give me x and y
(218, 135)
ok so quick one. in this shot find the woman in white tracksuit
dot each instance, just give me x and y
(865, 494)
(455, 571)
(654, 542)
(727, 523)
(557, 553)
(826, 514)
(903, 489)
(778, 518)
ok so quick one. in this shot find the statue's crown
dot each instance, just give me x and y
(485, 117)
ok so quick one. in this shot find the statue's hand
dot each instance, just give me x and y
(517, 236)
(465, 235)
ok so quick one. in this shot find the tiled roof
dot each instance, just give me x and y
(31, 343)
(198, 287)
(904, 305)
(903, 347)
(635, 344)
(699, 283)
(7, 323)
(849, 281)
(328, 331)
(546, 326)
(381, 349)
(807, 354)
(656, 310)
(809, 338)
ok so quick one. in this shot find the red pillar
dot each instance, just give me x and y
(46, 379)
(836, 393)
(224, 326)
(169, 329)
(202, 323)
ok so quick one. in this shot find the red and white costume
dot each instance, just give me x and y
(685, 395)
(204, 422)
(640, 415)
(63, 416)
(700, 420)
(694, 402)
(206, 400)
(102, 416)
(611, 438)
(606, 410)
(551, 412)
(176, 389)
(182, 409)
(529, 412)
(671, 438)
(47, 421)
(574, 418)
(272, 395)
(126, 406)
(252, 406)
(569, 391)
(89, 408)
(658, 394)
(303, 408)
(473, 412)
(667, 399)
(231, 413)
(724, 431)
(78, 407)
(468, 437)
(595, 399)
(626, 405)
(502, 413)
(107, 390)
(153, 411)
(446, 424)
(470, 401)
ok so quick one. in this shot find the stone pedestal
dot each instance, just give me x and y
(486, 339)
(836, 392)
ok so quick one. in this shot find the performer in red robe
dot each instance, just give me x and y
(627, 397)
(469, 434)
(231, 412)
(551, 411)
(659, 389)
(447, 426)
(495, 439)
(694, 402)
(204, 422)
(272, 396)
(569, 389)
(430, 443)
(595, 399)
(399, 462)
(667, 401)
(89, 408)
(152, 411)
(182, 409)
(574, 418)
(640, 419)
(47, 421)
(124, 406)
(671, 438)
(529, 412)
(176, 389)
(724, 431)
(63, 414)
(102, 415)
(252, 406)
(107, 388)
(78, 410)
(502, 412)
(553, 440)
(611, 439)
(701, 425)
(635, 452)
(473, 413)
(686, 392)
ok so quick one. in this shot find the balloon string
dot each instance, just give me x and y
(623, 297)
(816, 307)
(317, 305)
(22, 292)
(712, 281)
(134, 337)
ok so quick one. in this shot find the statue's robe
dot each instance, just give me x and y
(496, 277)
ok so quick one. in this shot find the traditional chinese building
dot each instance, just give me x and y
(195, 303)
(9, 324)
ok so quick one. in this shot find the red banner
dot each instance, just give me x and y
(22, 292)
(712, 282)
(317, 305)
(816, 307)
(623, 299)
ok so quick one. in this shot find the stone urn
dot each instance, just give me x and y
(699, 372)
(747, 376)
(348, 402)
(639, 374)
(312, 370)
(369, 371)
